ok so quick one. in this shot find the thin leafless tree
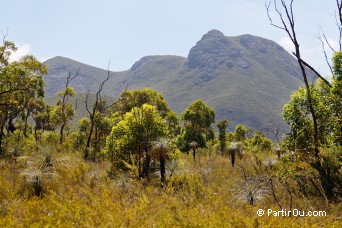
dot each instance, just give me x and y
(285, 12)
(95, 111)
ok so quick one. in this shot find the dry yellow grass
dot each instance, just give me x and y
(208, 193)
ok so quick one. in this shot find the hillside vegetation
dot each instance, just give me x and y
(82, 158)
(208, 193)
(244, 78)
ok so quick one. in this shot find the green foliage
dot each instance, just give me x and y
(296, 114)
(137, 98)
(189, 137)
(17, 144)
(140, 138)
(134, 133)
(42, 116)
(240, 132)
(172, 121)
(329, 166)
(64, 111)
(336, 97)
(260, 142)
(197, 119)
(21, 85)
(230, 137)
(326, 103)
(222, 126)
(5, 52)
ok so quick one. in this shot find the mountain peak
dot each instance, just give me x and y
(213, 34)
(213, 45)
(245, 78)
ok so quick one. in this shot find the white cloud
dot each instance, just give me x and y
(287, 44)
(312, 54)
(44, 58)
(22, 50)
(332, 43)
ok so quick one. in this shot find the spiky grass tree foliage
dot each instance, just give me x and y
(233, 149)
(47, 157)
(252, 190)
(95, 176)
(193, 145)
(270, 162)
(37, 179)
(41, 169)
(162, 150)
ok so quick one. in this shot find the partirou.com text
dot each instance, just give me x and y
(288, 213)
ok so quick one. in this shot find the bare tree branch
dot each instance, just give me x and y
(339, 21)
(65, 101)
(325, 55)
(315, 72)
(289, 27)
(274, 129)
(328, 43)
(95, 112)
(86, 102)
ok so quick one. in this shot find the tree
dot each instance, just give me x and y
(336, 94)
(98, 121)
(136, 98)
(41, 115)
(64, 110)
(139, 103)
(287, 24)
(309, 115)
(233, 148)
(172, 121)
(240, 133)
(327, 105)
(163, 149)
(222, 126)
(197, 119)
(133, 136)
(261, 142)
(21, 83)
(296, 114)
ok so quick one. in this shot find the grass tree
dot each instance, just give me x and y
(42, 168)
(193, 145)
(233, 149)
(36, 179)
(161, 148)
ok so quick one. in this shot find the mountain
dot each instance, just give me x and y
(246, 79)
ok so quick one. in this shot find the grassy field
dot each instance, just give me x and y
(207, 192)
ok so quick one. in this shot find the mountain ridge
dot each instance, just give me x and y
(244, 78)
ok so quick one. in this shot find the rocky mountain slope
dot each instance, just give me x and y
(246, 79)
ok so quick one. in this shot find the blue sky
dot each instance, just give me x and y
(94, 32)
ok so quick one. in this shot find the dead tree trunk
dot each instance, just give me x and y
(286, 17)
(64, 103)
(95, 112)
